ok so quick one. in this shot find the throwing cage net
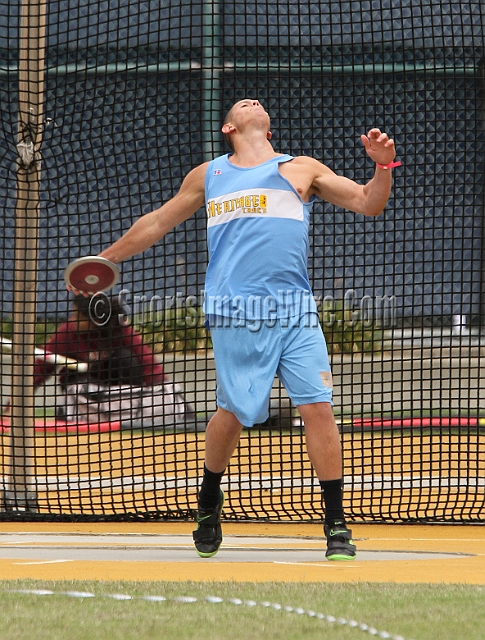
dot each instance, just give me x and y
(104, 109)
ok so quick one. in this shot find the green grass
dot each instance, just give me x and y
(415, 612)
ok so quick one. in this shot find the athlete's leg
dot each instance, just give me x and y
(305, 371)
(222, 436)
(221, 439)
(322, 440)
(325, 453)
(246, 363)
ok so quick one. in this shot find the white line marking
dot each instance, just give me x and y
(326, 565)
(430, 539)
(43, 562)
(33, 592)
(216, 600)
(244, 483)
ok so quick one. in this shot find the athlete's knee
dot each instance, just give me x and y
(225, 419)
(317, 412)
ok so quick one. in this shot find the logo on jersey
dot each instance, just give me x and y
(254, 203)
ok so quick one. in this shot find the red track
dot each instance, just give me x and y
(395, 423)
(51, 425)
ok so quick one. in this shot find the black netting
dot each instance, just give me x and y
(116, 102)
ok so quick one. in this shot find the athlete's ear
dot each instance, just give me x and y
(269, 135)
(228, 128)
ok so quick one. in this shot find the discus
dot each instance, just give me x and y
(91, 274)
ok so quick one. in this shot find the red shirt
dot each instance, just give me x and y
(69, 342)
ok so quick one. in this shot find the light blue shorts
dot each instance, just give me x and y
(248, 357)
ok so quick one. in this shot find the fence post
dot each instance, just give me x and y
(212, 70)
(20, 493)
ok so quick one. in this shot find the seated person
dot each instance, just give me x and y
(124, 379)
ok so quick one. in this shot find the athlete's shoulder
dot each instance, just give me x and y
(307, 160)
(311, 164)
(201, 168)
(197, 173)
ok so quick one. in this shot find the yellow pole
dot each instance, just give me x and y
(20, 495)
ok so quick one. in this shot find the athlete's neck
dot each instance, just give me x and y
(251, 153)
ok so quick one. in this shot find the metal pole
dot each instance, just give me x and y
(131, 68)
(481, 299)
(211, 79)
(20, 495)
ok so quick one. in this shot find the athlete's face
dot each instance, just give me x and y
(248, 111)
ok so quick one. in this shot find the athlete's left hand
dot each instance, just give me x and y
(379, 147)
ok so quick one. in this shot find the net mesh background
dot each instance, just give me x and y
(133, 98)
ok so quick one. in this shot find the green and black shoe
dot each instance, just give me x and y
(339, 542)
(208, 535)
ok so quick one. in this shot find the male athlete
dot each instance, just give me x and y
(258, 301)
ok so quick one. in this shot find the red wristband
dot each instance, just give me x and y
(391, 165)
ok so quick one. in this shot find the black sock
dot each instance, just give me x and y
(332, 491)
(210, 489)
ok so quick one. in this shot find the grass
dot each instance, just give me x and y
(413, 611)
(44, 328)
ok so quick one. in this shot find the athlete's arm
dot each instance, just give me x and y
(151, 227)
(369, 199)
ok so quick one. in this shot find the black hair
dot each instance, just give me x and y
(105, 312)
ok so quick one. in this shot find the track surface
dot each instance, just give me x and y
(250, 552)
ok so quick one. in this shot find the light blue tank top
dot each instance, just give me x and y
(257, 235)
